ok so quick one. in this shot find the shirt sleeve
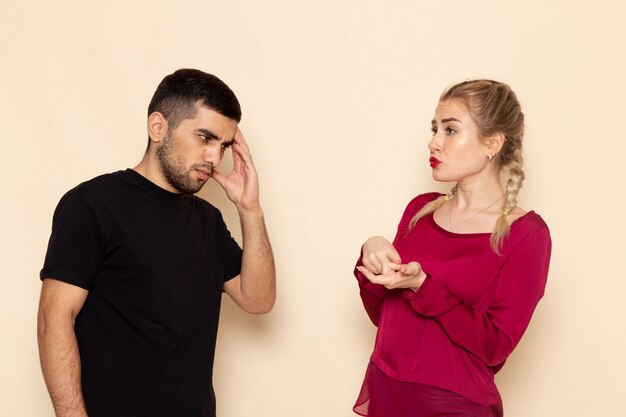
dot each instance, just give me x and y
(75, 246)
(372, 294)
(232, 252)
(492, 335)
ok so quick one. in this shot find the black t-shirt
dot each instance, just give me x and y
(154, 264)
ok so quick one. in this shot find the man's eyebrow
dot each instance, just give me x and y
(207, 133)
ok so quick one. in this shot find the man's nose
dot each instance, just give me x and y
(212, 155)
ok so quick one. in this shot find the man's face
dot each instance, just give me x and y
(188, 154)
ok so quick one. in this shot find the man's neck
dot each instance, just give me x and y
(149, 168)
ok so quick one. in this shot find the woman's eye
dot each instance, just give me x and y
(433, 130)
(450, 131)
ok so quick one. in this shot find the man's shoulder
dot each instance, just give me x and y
(104, 180)
(100, 187)
(100, 180)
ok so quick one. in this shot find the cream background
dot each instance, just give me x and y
(337, 99)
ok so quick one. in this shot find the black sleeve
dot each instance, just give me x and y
(75, 246)
(232, 252)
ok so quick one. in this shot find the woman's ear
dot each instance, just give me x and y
(157, 127)
(495, 143)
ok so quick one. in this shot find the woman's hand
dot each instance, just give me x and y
(395, 276)
(377, 252)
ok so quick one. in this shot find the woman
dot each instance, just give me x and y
(455, 291)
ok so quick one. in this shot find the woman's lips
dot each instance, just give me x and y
(434, 162)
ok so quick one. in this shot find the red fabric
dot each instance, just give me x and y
(382, 396)
(458, 328)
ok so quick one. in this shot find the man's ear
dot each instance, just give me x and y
(157, 127)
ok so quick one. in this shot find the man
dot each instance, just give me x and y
(136, 265)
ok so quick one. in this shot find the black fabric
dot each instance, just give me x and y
(154, 263)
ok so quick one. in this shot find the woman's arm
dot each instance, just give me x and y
(378, 257)
(492, 335)
(372, 294)
(377, 254)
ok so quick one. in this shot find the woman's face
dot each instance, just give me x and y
(456, 153)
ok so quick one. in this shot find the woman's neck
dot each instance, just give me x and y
(479, 193)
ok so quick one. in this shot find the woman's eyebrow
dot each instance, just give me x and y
(451, 119)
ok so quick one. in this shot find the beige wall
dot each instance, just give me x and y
(337, 98)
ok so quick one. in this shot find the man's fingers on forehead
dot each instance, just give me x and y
(242, 152)
(241, 142)
(240, 139)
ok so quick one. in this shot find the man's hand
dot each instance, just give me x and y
(378, 251)
(254, 289)
(242, 184)
(395, 276)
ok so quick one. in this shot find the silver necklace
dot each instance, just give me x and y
(473, 215)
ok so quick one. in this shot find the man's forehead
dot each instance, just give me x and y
(218, 124)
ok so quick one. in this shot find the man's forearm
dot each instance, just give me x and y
(258, 273)
(60, 364)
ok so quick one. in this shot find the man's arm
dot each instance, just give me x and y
(255, 289)
(58, 350)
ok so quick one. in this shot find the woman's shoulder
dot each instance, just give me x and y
(529, 228)
(416, 204)
(421, 200)
(528, 221)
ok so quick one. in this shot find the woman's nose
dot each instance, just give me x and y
(435, 144)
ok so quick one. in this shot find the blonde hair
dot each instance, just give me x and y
(495, 109)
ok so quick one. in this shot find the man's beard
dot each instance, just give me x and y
(173, 167)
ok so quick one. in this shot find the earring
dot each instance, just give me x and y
(490, 157)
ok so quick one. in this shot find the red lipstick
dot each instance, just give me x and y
(434, 162)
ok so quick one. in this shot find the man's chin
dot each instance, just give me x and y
(190, 187)
(199, 184)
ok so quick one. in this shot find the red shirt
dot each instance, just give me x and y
(456, 331)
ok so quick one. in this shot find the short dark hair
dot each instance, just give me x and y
(177, 95)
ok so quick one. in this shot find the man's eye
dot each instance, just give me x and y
(204, 137)
(226, 145)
